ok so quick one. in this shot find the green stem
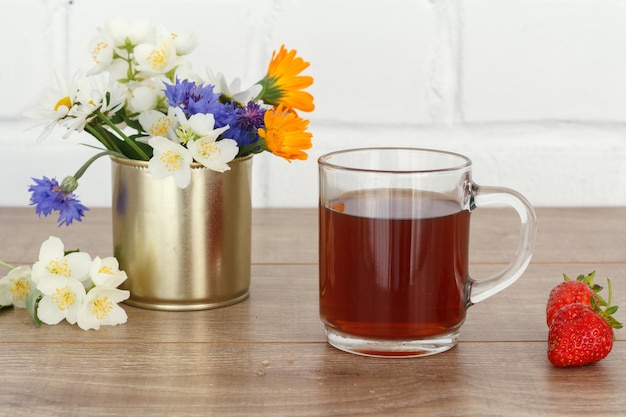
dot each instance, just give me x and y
(126, 139)
(91, 160)
(6, 265)
(107, 142)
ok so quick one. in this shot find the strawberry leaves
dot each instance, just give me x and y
(605, 309)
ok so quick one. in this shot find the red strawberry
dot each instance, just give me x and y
(570, 292)
(580, 334)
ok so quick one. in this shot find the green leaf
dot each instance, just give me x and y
(587, 279)
(32, 302)
(601, 301)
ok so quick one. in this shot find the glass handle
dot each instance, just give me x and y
(485, 196)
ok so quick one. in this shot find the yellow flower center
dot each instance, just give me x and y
(161, 126)
(101, 307)
(65, 101)
(157, 59)
(105, 269)
(59, 267)
(20, 289)
(63, 298)
(100, 46)
(171, 160)
(208, 148)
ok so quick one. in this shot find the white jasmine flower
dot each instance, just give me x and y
(144, 98)
(198, 125)
(119, 30)
(184, 43)
(116, 39)
(62, 298)
(184, 71)
(158, 124)
(100, 308)
(118, 71)
(201, 138)
(106, 272)
(16, 286)
(170, 159)
(214, 154)
(102, 53)
(203, 125)
(184, 132)
(53, 263)
(62, 282)
(156, 58)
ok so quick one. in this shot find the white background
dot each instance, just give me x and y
(533, 91)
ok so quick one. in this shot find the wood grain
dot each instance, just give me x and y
(267, 356)
(290, 235)
(307, 379)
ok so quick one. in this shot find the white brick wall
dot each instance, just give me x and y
(533, 91)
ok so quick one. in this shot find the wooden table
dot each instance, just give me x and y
(267, 356)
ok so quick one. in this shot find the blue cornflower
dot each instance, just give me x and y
(47, 196)
(248, 119)
(192, 98)
(227, 115)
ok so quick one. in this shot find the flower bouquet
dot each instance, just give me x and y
(143, 104)
(141, 101)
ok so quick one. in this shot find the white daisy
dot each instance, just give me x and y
(55, 105)
(233, 90)
(95, 93)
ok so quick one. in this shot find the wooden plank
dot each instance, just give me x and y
(299, 380)
(22, 233)
(278, 235)
(290, 235)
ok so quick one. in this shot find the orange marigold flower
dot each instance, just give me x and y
(285, 133)
(283, 83)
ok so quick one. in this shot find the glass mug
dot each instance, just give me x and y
(394, 229)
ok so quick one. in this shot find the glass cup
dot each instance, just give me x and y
(394, 229)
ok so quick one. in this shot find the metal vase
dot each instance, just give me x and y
(183, 249)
